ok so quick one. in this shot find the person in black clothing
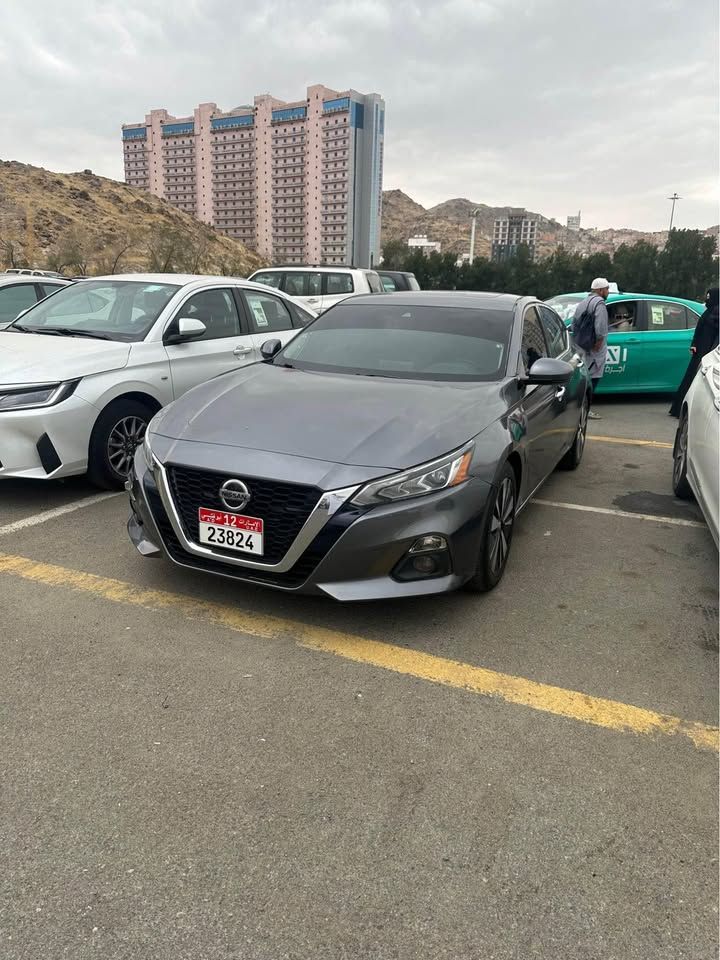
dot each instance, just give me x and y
(704, 340)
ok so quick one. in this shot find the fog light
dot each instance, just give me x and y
(429, 544)
(424, 565)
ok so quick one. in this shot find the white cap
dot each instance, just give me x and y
(600, 283)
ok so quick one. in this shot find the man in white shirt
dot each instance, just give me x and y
(596, 357)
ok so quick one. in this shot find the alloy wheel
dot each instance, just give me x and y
(123, 440)
(680, 464)
(582, 432)
(501, 523)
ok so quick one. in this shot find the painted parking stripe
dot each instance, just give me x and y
(56, 512)
(661, 444)
(571, 704)
(675, 521)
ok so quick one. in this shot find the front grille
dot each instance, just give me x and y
(284, 507)
(294, 577)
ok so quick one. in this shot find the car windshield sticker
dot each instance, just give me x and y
(658, 316)
(260, 317)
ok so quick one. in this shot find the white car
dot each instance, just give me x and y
(82, 372)
(320, 287)
(696, 466)
(20, 291)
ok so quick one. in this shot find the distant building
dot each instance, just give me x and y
(512, 231)
(573, 223)
(422, 243)
(299, 182)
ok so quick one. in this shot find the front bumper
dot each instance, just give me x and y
(47, 442)
(351, 556)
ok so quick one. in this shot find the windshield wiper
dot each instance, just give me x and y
(20, 327)
(70, 332)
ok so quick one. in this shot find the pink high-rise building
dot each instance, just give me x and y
(299, 182)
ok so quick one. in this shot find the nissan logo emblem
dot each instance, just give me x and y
(234, 494)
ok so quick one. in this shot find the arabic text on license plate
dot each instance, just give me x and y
(231, 531)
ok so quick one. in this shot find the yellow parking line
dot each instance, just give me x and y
(661, 444)
(558, 701)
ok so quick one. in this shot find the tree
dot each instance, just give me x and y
(687, 265)
(635, 267)
(394, 254)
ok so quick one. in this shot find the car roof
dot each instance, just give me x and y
(320, 268)
(469, 299)
(627, 295)
(7, 278)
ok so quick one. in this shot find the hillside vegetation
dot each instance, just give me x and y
(79, 223)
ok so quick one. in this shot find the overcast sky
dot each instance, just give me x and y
(555, 105)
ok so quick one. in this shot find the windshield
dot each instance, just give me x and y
(110, 309)
(565, 306)
(408, 342)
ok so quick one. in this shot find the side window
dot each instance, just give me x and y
(555, 332)
(216, 309)
(692, 318)
(268, 314)
(338, 283)
(15, 299)
(48, 288)
(389, 285)
(299, 284)
(665, 316)
(533, 341)
(622, 316)
(374, 282)
(302, 317)
(269, 279)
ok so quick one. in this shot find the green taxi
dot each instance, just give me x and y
(648, 340)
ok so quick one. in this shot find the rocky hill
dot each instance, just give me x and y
(80, 223)
(449, 223)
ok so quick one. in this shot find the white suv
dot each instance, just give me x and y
(83, 372)
(320, 287)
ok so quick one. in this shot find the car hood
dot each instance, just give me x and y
(33, 358)
(335, 418)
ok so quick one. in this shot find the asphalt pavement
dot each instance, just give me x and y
(197, 770)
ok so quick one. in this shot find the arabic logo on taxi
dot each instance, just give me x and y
(234, 495)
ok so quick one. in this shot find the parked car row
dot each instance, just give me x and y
(380, 449)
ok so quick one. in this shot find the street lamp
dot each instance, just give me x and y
(674, 199)
(472, 234)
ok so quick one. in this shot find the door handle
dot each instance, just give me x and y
(560, 393)
(633, 340)
(242, 351)
(313, 299)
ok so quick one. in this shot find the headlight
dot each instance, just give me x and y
(449, 471)
(150, 461)
(40, 395)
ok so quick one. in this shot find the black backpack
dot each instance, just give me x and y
(583, 327)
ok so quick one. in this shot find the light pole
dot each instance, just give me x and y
(674, 199)
(472, 235)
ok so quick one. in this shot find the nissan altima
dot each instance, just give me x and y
(384, 452)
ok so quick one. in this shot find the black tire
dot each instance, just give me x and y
(496, 537)
(116, 434)
(681, 487)
(572, 459)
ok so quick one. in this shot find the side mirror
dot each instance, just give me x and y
(549, 370)
(188, 328)
(269, 349)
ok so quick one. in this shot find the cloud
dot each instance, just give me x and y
(528, 102)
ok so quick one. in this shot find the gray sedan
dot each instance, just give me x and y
(384, 452)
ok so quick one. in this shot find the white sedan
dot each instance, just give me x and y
(83, 372)
(696, 467)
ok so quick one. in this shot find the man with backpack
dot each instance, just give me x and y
(589, 332)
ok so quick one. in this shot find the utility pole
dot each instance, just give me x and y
(674, 199)
(472, 235)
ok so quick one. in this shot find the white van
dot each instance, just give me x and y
(320, 287)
